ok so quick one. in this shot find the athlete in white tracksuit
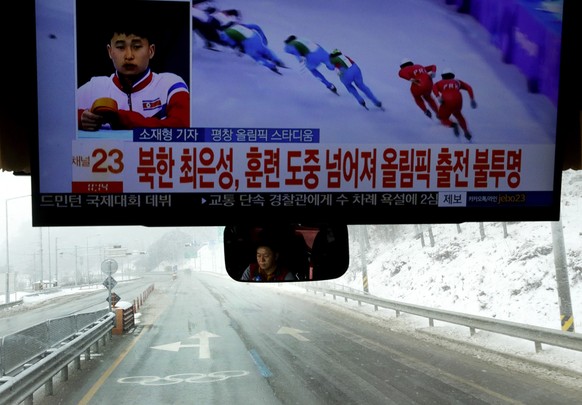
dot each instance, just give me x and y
(144, 99)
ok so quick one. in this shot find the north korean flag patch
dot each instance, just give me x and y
(151, 104)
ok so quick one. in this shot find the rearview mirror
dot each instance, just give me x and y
(286, 252)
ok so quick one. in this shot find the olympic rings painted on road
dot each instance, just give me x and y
(196, 378)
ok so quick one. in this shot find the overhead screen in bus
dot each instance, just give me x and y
(164, 113)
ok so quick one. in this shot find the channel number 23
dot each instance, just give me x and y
(107, 161)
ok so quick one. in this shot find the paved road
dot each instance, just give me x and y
(207, 339)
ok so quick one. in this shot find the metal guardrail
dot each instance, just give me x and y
(538, 335)
(21, 386)
(28, 344)
(10, 304)
(31, 357)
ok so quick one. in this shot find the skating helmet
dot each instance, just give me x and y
(290, 38)
(405, 62)
(233, 13)
(447, 74)
(334, 53)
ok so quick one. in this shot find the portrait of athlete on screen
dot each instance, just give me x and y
(133, 96)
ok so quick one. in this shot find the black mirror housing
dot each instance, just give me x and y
(310, 252)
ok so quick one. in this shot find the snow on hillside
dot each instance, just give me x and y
(511, 278)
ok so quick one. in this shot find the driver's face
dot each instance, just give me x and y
(266, 258)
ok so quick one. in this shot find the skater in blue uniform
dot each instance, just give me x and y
(251, 42)
(351, 76)
(312, 55)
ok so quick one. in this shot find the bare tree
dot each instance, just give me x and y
(430, 236)
(419, 234)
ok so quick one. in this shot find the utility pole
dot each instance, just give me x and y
(41, 270)
(57, 261)
(50, 276)
(560, 261)
(87, 259)
(8, 251)
(364, 244)
(76, 268)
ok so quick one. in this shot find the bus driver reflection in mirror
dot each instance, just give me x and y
(266, 267)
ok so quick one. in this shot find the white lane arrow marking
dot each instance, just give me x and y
(204, 344)
(296, 333)
(172, 347)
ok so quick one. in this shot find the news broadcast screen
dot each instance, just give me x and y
(207, 113)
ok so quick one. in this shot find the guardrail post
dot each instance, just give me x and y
(538, 346)
(471, 331)
(430, 322)
(65, 373)
(78, 363)
(48, 387)
(88, 354)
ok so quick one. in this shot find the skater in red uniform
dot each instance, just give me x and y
(420, 78)
(448, 92)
